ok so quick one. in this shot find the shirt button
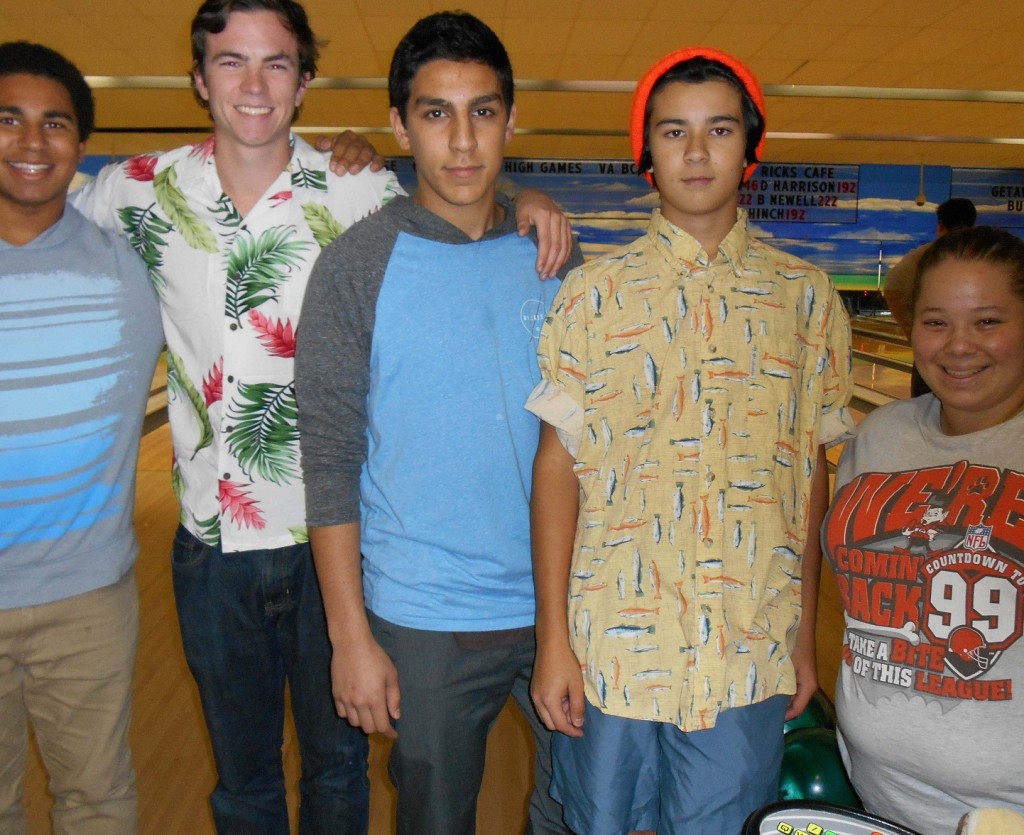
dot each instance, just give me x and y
(231, 378)
(226, 476)
(233, 326)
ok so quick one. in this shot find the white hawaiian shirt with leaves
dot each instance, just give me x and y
(231, 290)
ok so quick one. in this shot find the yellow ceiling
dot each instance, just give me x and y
(934, 45)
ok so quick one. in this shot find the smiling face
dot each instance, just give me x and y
(251, 81)
(968, 340)
(456, 125)
(698, 153)
(39, 152)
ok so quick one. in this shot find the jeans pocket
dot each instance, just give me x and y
(187, 551)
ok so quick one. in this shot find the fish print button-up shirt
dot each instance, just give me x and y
(695, 394)
(231, 289)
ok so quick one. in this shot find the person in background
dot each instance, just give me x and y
(416, 449)
(79, 339)
(690, 379)
(924, 536)
(956, 213)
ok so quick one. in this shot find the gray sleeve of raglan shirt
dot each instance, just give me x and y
(332, 367)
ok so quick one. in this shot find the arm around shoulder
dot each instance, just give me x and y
(555, 240)
(101, 197)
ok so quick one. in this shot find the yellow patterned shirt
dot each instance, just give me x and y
(694, 395)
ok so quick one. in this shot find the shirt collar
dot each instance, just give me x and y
(68, 224)
(681, 246)
(198, 168)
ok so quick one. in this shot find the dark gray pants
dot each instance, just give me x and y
(453, 686)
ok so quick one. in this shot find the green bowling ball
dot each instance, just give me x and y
(819, 713)
(813, 770)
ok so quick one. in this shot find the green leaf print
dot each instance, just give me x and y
(226, 213)
(180, 384)
(300, 535)
(178, 486)
(257, 267)
(171, 199)
(145, 230)
(322, 223)
(177, 482)
(208, 530)
(391, 191)
(264, 438)
(309, 178)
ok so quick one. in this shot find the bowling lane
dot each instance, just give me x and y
(883, 380)
(882, 360)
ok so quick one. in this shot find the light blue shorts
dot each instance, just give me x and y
(630, 774)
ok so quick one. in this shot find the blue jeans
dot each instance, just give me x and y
(632, 774)
(249, 622)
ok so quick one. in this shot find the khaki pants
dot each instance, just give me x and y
(67, 666)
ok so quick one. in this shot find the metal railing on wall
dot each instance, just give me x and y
(824, 91)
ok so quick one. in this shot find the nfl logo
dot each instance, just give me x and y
(977, 537)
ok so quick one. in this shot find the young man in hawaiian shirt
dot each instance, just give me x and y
(230, 229)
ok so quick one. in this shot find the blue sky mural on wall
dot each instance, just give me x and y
(853, 221)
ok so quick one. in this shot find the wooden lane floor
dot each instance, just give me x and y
(898, 354)
(884, 381)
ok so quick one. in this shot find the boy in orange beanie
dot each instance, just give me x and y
(689, 381)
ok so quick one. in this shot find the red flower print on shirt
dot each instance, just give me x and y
(141, 168)
(213, 383)
(278, 337)
(204, 149)
(244, 510)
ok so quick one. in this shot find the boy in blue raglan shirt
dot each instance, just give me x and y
(416, 351)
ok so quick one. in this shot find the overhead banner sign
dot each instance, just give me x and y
(998, 193)
(853, 221)
(802, 193)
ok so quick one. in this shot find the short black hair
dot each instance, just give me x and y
(212, 18)
(699, 70)
(975, 243)
(22, 57)
(447, 36)
(957, 213)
